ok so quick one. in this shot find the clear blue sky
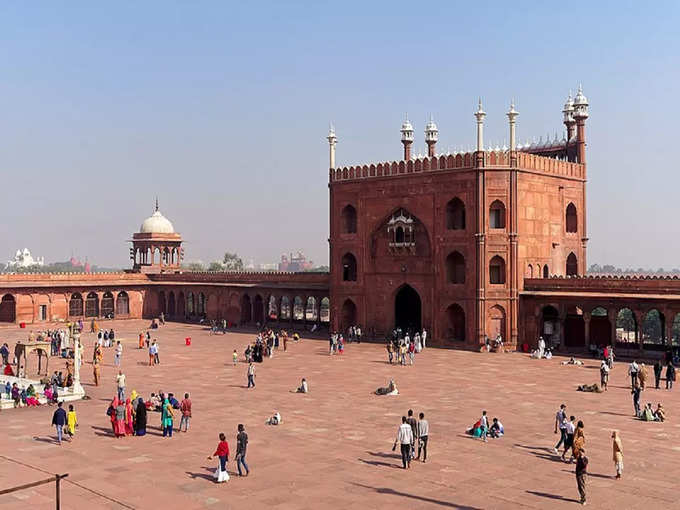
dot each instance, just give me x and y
(221, 109)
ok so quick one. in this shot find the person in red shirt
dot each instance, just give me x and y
(185, 408)
(222, 453)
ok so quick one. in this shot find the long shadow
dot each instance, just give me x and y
(614, 414)
(200, 475)
(379, 463)
(45, 439)
(553, 496)
(548, 456)
(539, 448)
(102, 431)
(387, 490)
(385, 455)
(596, 475)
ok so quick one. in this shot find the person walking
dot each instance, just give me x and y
(119, 354)
(59, 420)
(561, 424)
(222, 453)
(636, 398)
(570, 428)
(405, 439)
(120, 380)
(633, 369)
(166, 418)
(581, 473)
(617, 448)
(604, 375)
(484, 426)
(251, 375)
(152, 354)
(670, 375)
(96, 371)
(185, 408)
(657, 373)
(156, 359)
(423, 432)
(413, 423)
(71, 422)
(241, 448)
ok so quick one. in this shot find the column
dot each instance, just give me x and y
(292, 312)
(611, 315)
(639, 317)
(586, 320)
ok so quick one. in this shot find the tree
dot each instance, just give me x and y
(232, 262)
(215, 266)
(195, 266)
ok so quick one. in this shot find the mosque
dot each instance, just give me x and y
(467, 245)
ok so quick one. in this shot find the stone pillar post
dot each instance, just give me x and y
(611, 314)
(586, 320)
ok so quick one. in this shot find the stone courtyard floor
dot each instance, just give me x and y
(333, 449)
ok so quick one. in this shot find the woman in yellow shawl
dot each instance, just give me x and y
(579, 440)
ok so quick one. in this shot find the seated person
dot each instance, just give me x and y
(572, 361)
(154, 402)
(592, 388)
(660, 413)
(391, 389)
(8, 370)
(548, 354)
(274, 420)
(496, 430)
(647, 413)
(475, 430)
(303, 388)
(173, 401)
(48, 392)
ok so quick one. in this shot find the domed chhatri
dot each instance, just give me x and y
(156, 248)
(157, 224)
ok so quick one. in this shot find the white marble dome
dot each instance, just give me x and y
(157, 224)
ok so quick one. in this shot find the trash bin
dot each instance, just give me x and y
(187, 340)
(22, 325)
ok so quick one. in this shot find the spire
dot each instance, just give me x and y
(332, 140)
(480, 114)
(156, 209)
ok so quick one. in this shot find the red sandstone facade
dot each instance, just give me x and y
(465, 245)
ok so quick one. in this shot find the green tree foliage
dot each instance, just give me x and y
(232, 262)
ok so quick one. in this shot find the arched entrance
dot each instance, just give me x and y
(455, 330)
(123, 303)
(92, 305)
(107, 304)
(246, 310)
(171, 304)
(550, 326)
(407, 309)
(496, 325)
(348, 316)
(600, 327)
(258, 310)
(574, 328)
(8, 308)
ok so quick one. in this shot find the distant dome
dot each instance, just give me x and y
(157, 224)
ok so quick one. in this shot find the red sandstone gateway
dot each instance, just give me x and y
(465, 245)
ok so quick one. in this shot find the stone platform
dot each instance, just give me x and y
(333, 449)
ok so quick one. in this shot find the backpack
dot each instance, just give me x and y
(109, 411)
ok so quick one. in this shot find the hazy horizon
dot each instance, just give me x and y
(221, 110)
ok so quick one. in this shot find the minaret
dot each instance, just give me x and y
(431, 137)
(512, 115)
(569, 117)
(407, 138)
(332, 140)
(580, 116)
(480, 114)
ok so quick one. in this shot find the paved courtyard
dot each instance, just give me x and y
(333, 449)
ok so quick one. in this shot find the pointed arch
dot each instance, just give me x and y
(497, 270)
(455, 214)
(455, 268)
(571, 218)
(349, 219)
(572, 265)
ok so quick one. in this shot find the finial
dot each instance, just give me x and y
(156, 210)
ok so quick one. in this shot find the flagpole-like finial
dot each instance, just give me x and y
(156, 205)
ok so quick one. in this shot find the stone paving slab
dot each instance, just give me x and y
(333, 449)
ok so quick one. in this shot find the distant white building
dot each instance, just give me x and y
(23, 258)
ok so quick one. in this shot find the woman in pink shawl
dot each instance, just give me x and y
(119, 425)
(129, 424)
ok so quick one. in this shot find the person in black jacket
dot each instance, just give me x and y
(581, 473)
(670, 376)
(657, 373)
(59, 420)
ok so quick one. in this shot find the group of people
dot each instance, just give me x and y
(638, 382)
(412, 434)
(402, 347)
(222, 454)
(265, 343)
(129, 416)
(482, 430)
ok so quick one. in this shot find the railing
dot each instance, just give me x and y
(462, 161)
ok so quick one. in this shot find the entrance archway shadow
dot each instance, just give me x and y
(407, 309)
(393, 492)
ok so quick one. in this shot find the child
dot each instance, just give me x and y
(71, 422)
(8, 388)
(235, 357)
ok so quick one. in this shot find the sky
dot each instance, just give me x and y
(221, 110)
